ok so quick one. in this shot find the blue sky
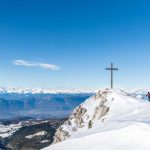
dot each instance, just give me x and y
(68, 43)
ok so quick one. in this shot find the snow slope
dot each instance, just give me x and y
(120, 121)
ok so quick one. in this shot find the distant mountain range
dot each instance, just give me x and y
(38, 103)
(45, 91)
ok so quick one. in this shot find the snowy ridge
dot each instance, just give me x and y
(110, 120)
(45, 91)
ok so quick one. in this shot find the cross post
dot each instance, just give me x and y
(111, 69)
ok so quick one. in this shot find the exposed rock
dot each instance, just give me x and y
(84, 116)
(100, 94)
(100, 112)
(103, 111)
(78, 116)
(61, 135)
(74, 129)
(68, 122)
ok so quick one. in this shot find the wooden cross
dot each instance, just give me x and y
(111, 69)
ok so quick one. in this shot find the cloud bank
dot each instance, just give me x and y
(42, 65)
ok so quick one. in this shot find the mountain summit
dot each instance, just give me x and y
(111, 119)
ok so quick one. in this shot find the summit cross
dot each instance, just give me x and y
(111, 69)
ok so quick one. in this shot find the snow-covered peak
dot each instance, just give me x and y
(108, 110)
(62, 90)
(45, 91)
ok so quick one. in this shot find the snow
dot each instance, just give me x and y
(8, 130)
(42, 133)
(126, 126)
(4, 90)
(45, 141)
(135, 136)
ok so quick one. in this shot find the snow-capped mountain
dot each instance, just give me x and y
(45, 91)
(16, 102)
(109, 120)
(39, 103)
(4, 90)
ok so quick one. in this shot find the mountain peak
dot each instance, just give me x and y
(107, 110)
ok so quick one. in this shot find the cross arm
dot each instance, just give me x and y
(112, 69)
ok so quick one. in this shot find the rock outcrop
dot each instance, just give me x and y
(84, 116)
(60, 135)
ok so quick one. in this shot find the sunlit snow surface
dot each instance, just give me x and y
(126, 126)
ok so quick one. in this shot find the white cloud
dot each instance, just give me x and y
(36, 64)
